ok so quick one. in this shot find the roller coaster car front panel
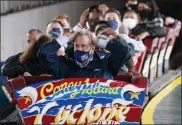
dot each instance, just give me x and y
(80, 100)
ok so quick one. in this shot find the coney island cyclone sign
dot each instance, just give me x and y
(81, 101)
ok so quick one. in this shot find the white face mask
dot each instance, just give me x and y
(129, 23)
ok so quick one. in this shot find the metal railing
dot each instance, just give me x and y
(11, 6)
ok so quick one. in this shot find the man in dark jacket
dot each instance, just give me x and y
(82, 60)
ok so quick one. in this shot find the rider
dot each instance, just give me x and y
(82, 60)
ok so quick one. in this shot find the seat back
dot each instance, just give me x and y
(177, 28)
(124, 77)
(160, 59)
(153, 65)
(140, 62)
(154, 61)
(170, 40)
(150, 44)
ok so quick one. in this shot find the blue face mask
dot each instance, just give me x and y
(114, 24)
(81, 56)
(57, 31)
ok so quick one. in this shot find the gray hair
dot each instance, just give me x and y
(85, 33)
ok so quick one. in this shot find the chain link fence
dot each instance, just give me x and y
(10, 6)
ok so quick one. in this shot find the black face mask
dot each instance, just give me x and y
(144, 14)
(132, 7)
(91, 24)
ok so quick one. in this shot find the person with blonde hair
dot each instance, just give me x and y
(63, 19)
(103, 8)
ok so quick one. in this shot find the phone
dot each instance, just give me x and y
(67, 30)
(56, 32)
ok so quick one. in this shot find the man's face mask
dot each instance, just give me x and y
(129, 23)
(91, 24)
(132, 4)
(81, 56)
(56, 32)
(114, 24)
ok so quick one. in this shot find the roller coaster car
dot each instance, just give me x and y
(44, 100)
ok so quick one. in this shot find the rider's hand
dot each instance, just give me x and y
(95, 40)
(83, 18)
(143, 35)
(110, 31)
(27, 74)
(169, 21)
(72, 36)
(61, 51)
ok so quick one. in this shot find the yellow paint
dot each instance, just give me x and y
(27, 99)
(147, 116)
(37, 119)
(134, 95)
